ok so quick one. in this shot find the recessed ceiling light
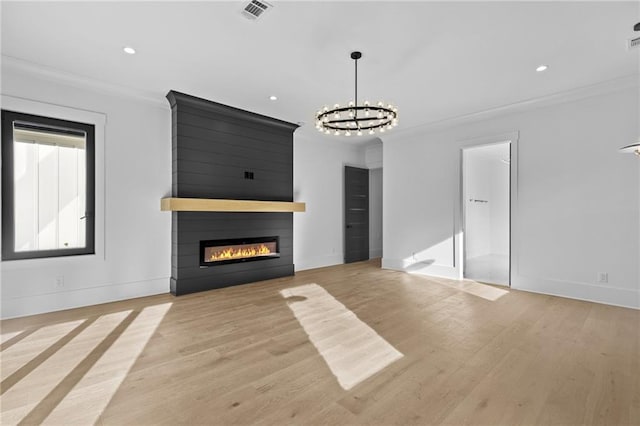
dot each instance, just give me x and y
(273, 97)
(542, 68)
(129, 50)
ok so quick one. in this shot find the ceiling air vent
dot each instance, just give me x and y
(255, 9)
(634, 43)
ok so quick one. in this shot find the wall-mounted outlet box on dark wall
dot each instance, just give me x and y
(223, 152)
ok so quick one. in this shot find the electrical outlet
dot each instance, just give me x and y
(603, 277)
(59, 281)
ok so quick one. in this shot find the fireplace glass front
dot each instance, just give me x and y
(218, 252)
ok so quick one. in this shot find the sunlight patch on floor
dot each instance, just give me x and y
(475, 288)
(15, 356)
(19, 401)
(6, 336)
(87, 400)
(352, 350)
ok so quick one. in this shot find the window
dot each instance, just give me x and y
(48, 177)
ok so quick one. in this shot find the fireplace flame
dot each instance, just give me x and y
(239, 253)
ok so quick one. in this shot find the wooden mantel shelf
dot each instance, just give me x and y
(218, 205)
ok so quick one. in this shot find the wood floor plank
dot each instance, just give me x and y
(470, 354)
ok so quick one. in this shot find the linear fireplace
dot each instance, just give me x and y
(227, 155)
(219, 252)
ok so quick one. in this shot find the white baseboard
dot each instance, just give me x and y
(318, 262)
(51, 302)
(616, 296)
(608, 295)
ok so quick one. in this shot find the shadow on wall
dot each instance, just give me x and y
(417, 266)
(434, 241)
(438, 253)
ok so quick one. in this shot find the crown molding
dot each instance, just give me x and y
(81, 82)
(598, 89)
(159, 100)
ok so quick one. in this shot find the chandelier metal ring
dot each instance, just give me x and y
(372, 117)
(357, 118)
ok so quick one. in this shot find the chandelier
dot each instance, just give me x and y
(635, 148)
(354, 118)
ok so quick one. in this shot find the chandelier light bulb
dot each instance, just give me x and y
(337, 133)
(347, 133)
(359, 133)
(372, 132)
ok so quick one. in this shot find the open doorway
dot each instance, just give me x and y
(486, 171)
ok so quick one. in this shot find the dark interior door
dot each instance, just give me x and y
(356, 214)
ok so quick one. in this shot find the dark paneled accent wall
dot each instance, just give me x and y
(225, 152)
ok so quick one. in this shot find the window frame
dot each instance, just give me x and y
(8, 208)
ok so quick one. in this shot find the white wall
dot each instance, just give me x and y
(375, 213)
(134, 254)
(318, 176)
(373, 154)
(576, 206)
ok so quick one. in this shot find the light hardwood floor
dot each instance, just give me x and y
(422, 350)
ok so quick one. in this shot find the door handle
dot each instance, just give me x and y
(349, 226)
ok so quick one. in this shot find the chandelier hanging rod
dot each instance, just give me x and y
(355, 56)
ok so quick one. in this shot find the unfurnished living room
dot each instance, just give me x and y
(320, 213)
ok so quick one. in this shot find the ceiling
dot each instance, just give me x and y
(434, 60)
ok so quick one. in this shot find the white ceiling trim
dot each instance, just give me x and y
(80, 82)
(611, 86)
